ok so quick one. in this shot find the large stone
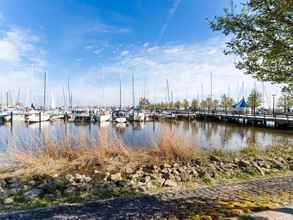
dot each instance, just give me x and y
(214, 158)
(48, 186)
(8, 201)
(243, 163)
(70, 190)
(258, 169)
(116, 176)
(35, 192)
(170, 183)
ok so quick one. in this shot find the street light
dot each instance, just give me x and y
(274, 104)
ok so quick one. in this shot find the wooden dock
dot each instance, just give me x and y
(265, 120)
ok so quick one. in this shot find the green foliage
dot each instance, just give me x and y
(185, 104)
(285, 101)
(194, 104)
(254, 99)
(262, 37)
(227, 102)
(177, 104)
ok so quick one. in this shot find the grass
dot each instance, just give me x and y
(104, 153)
(108, 154)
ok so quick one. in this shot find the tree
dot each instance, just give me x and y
(185, 104)
(194, 104)
(285, 102)
(143, 102)
(262, 38)
(177, 104)
(204, 104)
(254, 99)
(226, 102)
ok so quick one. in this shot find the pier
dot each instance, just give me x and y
(266, 120)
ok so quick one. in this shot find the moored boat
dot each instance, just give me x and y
(37, 116)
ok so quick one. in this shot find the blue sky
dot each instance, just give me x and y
(97, 42)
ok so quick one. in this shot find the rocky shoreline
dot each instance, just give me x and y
(136, 179)
(203, 203)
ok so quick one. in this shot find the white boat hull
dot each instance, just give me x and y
(104, 118)
(120, 120)
(37, 117)
(138, 116)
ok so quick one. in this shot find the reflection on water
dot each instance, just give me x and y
(203, 134)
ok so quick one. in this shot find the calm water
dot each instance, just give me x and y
(203, 134)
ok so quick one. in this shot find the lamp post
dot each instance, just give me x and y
(274, 105)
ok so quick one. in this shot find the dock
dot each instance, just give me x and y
(266, 120)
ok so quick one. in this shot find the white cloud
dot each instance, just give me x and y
(171, 13)
(187, 68)
(104, 28)
(124, 52)
(21, 62)
(146, 44)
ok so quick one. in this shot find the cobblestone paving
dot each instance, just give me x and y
(179, 204)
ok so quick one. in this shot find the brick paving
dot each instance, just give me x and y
(179, 204)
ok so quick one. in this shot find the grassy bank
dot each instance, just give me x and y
(59, 172)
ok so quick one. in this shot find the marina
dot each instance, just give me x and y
(206, 134)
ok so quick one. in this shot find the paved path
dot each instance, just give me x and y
(178, 204)
(285, 213)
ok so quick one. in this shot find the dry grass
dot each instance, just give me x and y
(104, 153)
(173, 147)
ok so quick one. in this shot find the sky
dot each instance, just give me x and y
(94, 44)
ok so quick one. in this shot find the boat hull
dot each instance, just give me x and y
(120, 120)
(37, 117)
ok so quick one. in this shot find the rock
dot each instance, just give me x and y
(166, 165)
(70, 190)
(214, 158)
(35, 192)
(278, 164)
(11, 180)
(70, 178)
(116, 176)
(258, 169)
(243, 163)
(129, 169)
(82, 178)
(8, 201)
(147, 179)
(184, 176)
(170, 183)
(48, 186)
(193, 172)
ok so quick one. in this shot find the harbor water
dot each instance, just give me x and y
(143, 135)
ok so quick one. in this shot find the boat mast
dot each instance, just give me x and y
(120, 91)
(133, 97)
(211, 78)
(69, 94)
(45, 88)
(168, 92)
(7, 99)
(64, 99)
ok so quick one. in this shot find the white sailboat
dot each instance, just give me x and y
(39, 116)
(120, 116)
(104, 116)
(138, 116)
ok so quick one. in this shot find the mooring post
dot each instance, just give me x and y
(11, 117)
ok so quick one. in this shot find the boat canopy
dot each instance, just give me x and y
(242, 104)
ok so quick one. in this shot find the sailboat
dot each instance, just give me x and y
(120, 115)
(39, 116)
(136, 114)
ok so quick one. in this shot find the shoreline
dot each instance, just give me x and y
(131, 177)
(220, 202)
